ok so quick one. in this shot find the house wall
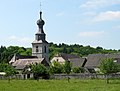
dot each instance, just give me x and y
(58, 59)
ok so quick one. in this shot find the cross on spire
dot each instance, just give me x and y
(40, 7)
(40, 11)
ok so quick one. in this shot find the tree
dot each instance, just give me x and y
(67, 68)
(56, 68)
(2, 67)
(10, 71)
(29, 51)
(108, 66)
(39, 70)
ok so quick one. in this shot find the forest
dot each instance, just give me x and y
(6, 53)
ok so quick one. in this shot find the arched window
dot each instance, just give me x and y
(36, 48)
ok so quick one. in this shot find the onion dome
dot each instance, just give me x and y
(40, 22)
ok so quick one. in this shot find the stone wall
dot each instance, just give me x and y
(84, 76)
(65, 76)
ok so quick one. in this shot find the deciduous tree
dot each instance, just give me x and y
(56, 68)
(67, 68)
(108, 66)
(39, 70)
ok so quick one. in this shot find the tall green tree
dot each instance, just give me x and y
(108, 66)
(10, 71)
(3, 66)
(39, 70)
(67, 68)
(56, 68)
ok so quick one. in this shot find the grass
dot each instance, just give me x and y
(59, 85)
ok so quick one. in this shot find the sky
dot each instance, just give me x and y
(83, 22)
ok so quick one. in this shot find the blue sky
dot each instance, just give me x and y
(84, 22)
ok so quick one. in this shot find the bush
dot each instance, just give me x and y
(78, 70)
(56, 68)
(39, 70)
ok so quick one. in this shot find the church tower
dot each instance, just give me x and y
(40, 45)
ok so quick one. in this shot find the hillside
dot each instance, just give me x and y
(6, 53)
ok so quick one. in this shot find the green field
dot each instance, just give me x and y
(59, 85)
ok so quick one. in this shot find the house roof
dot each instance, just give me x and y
(94, 60)
(74, 59)
(77, 62)
(22, 63)
(24, 57)
(67, 56)
(16, 57)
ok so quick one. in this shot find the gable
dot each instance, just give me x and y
(58, 59)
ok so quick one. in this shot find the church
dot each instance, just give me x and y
(40, 51)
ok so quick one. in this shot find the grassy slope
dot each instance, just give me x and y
(59, 85)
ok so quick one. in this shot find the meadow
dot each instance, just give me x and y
(59, 85)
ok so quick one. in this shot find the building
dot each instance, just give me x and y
(94, 60)
(75, 60)
(39, 51)
(40, 45)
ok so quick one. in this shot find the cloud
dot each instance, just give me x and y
(107, 16)
(13, 37)
(116, 27)
(99, 3)
(89, 13)
(91, 33)
(25, 39)
(60, 14)
(22, 41)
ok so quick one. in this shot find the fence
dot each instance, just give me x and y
(85, 76)
(17, 76)
(64, 76)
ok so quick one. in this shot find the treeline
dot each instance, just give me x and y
(6, 53)
(77, 49)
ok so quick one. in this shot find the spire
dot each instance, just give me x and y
(40, 22)
(40, 35)
(40, 15)
(40, 11)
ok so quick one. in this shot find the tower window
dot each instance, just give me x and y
(45, 49)
(36, 48)
(39, 37)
